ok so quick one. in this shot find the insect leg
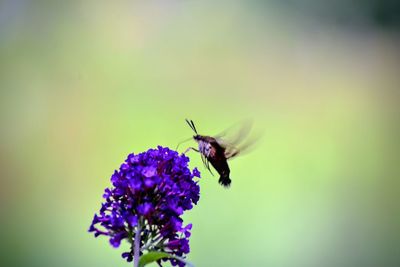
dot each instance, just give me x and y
(190, 148)
(183, 142)
(206, 163)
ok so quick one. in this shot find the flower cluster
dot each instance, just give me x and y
(150, 192)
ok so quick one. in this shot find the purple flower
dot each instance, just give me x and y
(149, 192)
(196, 172)
(145, 209)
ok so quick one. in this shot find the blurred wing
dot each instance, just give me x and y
(231, 152)
(236, 133)
(237, 139)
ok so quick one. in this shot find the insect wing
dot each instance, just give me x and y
(237, 139)
(235, 134)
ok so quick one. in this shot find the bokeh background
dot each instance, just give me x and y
(84, 83)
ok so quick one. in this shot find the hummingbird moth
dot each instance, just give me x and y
(217, 150)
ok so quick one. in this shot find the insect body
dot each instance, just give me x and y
(212, 152)
(215, 151)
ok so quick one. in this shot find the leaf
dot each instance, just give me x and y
(153, 256)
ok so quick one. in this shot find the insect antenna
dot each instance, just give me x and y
(191, 125)
(194, 127)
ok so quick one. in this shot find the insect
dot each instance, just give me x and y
(216, 151)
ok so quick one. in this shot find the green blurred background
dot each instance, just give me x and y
(84, 83)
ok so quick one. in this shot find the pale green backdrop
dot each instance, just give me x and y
(84, 83)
